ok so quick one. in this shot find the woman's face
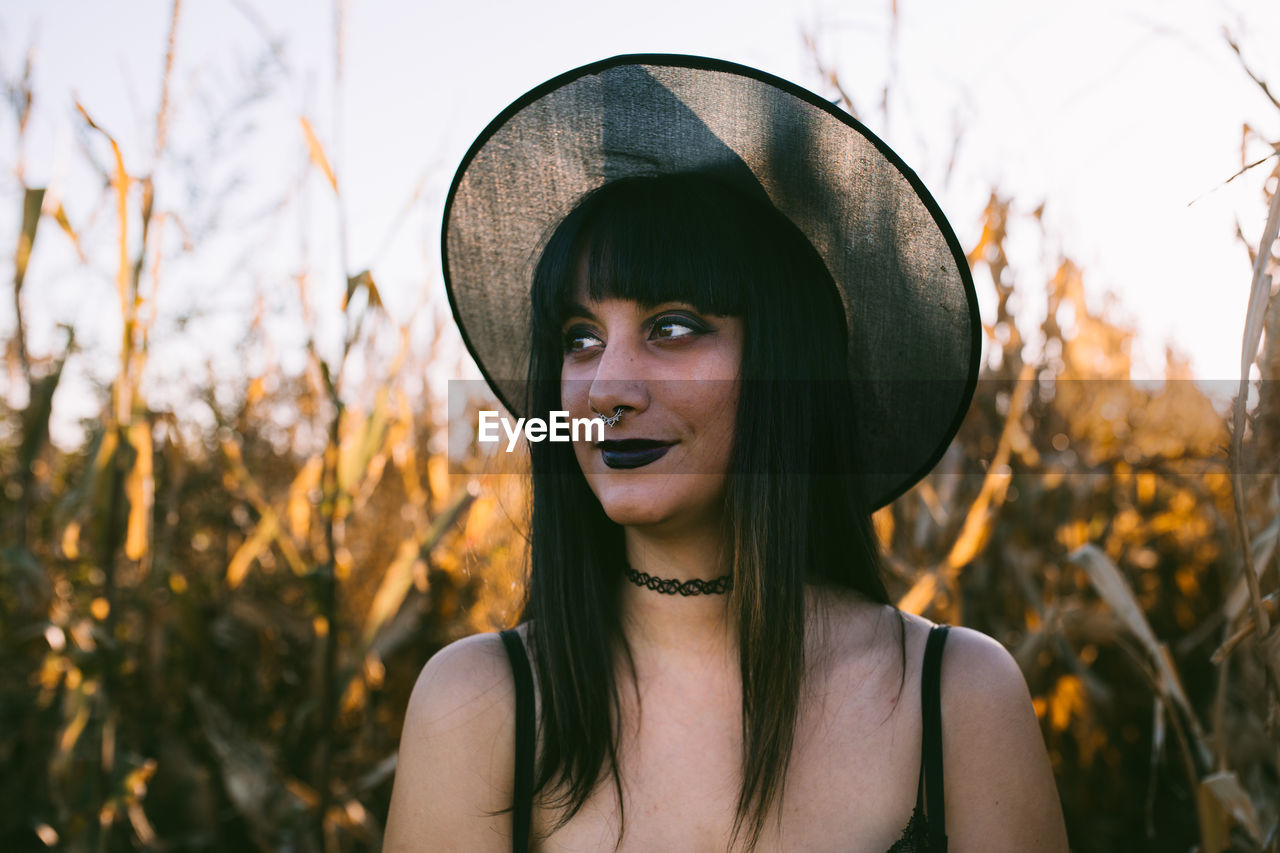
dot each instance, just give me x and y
(675, 372)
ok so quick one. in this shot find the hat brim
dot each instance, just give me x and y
(910, 303)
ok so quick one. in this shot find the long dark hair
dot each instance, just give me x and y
(795, 509)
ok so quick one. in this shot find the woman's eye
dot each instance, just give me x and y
(576, 340)
(675, 327)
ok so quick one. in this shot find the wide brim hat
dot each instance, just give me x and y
(909, 300)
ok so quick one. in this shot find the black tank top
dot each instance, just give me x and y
(925, 832)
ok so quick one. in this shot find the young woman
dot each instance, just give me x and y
(708, 659)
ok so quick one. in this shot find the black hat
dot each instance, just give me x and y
(912, 313)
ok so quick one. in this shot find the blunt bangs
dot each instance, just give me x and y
(650, 240)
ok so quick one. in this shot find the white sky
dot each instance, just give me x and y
(1116, 115)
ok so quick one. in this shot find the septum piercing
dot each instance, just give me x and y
(611, 420)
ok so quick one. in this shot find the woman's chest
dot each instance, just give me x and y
(850, 787)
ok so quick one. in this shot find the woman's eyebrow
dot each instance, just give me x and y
(576, 309)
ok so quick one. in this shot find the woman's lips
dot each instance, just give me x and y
(632, 452)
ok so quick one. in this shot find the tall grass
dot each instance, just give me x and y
(209, 627)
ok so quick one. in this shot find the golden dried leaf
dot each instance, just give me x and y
(1188, 581)
(396, 581)
(298, 510)
(363, 446)
(316, 152)
(1073, 534)
(250, 549)
(438, 479)
(303, 792)
(363, 279)
(1255, 320)
(120, 181)
(479, 520)
(71, 540)
(1260, 290)
(403, 453)
(31, 202)
(135, 782)
(140, 491)
(1231, 796)
(1066, 701)
(1114, 590)
(972, 539)
(353, 698)
(1112, 587)
(257, 390)
(1215, 822)
(882, 520)
(375, 671)
(343, 561)
(976, 531)
(73, 730)
(920, 594)
(399, 576)
(60, 216)
(141, 826)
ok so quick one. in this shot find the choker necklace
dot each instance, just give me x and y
(671, 586)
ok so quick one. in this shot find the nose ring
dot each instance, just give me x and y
(611, 420)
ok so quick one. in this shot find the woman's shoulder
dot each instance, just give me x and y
(981, 685)
(457, 750)
(979, 674)
(1000, 792)
(468, 672)
(999, 783)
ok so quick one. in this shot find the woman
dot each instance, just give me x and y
(776, 351)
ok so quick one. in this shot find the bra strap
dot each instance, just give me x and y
(522, 806)
(931, 747)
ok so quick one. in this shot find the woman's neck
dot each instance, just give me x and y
(676, 627)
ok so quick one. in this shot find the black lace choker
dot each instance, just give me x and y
(671, 586)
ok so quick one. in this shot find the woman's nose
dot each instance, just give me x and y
(617, 382)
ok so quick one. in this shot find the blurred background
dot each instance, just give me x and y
(232, 528)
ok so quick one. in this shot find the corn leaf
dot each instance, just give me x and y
(250, 549)
(140, 491)
(1114, 590)
(1231, 796)
(363, 279)
(316, 152)
(32, 199)
(398, 577)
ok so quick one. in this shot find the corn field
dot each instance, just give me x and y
(214, 606)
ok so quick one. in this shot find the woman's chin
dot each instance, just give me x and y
(668, 503)
(630, 512)
(638, 500)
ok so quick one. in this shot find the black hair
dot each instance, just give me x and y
(795, 510)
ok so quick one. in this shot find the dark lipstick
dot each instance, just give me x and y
(632, 452)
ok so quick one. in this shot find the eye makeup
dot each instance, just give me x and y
(669, 320)
(574, 334)
(667, 325)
